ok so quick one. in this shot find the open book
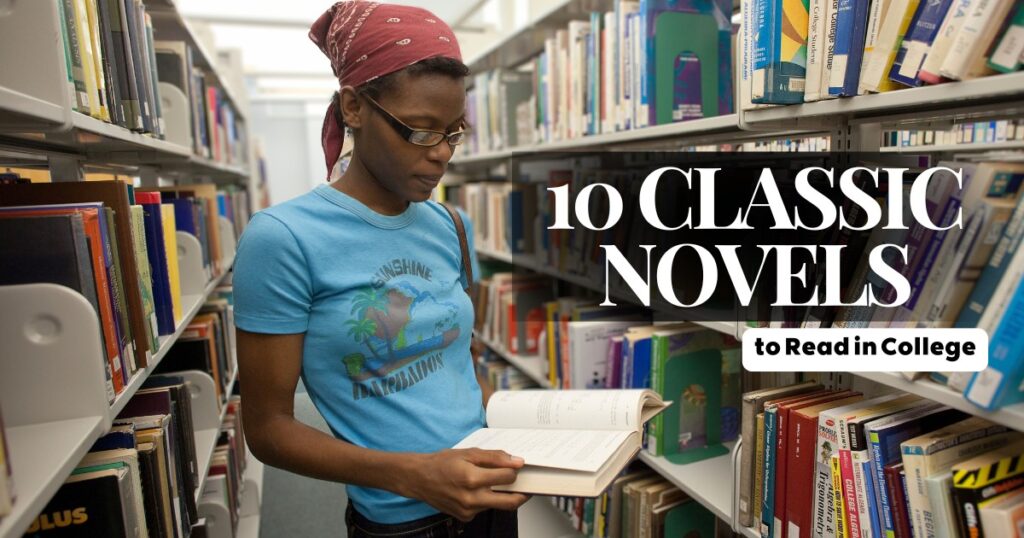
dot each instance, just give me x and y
(574, 442)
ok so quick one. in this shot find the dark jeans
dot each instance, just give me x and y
(487, 524)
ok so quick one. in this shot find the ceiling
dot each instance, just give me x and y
(280, 62)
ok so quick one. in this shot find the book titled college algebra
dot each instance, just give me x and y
(574, 442)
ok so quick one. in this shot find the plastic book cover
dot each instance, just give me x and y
(918, 41)
(848, 55)
(785, 76)
(684, 69)
(693, 427)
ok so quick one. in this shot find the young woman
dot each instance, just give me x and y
(358, 288)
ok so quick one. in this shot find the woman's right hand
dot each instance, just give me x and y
(459, 481)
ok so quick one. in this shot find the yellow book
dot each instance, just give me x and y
(88, 60)
(171, 246)
(97, 54)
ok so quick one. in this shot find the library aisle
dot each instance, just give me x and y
(201, 206)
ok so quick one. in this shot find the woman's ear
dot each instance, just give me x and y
(350, 107)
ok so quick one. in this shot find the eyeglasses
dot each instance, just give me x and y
(419, 137)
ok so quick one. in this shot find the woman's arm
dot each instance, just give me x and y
(457, 482)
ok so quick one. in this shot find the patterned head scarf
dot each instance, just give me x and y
(367, 40)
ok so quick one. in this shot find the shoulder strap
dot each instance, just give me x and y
(460, 230)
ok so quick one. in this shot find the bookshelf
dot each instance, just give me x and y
(531, 365)
(48, 436)
(52, 364)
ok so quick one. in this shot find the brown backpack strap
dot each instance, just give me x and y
(460, 230)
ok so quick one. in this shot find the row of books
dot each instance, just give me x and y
(116, 246)
(820, 462)
(981, 132)
(963, 277)
(119, 74)
(641, 504)
(793, 52)
(500, 374)
(140, 479)
(586, 346)
(643, 63)
(224, 480)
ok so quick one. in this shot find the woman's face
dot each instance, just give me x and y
(434, 102)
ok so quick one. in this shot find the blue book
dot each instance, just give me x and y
(151, 217)
(641, 364)
(851, 28)
(514, 233)
(768, 488)
(994, 270)
(184, 216)
(918, 41)
(884, 437)
(121, 437)
(998, 385)
(759, 50)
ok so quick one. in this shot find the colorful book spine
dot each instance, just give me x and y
(918, 42)
(992, 275)
(929, 72)
(787, 58)
(1000, 383)
(1009, 50)
(851, 22)
(768, 489)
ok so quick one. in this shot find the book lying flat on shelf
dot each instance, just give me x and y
(574, 442)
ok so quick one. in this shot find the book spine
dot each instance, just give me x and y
(829, 46)
(875, 14)
(849, 46)
(71, 44)
(969, 40)
(758, 488)
(786, 77)
(992, 275)
(816, 29)
(760, 29)
(768, 490)
(954, 19)
(1006, 56)
(883, 500)
(918, 42)
(801, 473)
(863, 482)
(999, 383)
(895, 492)
(917, 496)
(747, 423)
(850, 493)
(927, 261)
(656, 426)
(824, 520)
(98, 60)
(781, 471)
(842, 517)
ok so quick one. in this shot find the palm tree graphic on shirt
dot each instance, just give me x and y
(381, 318)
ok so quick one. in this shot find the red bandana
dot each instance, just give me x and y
(367, 40)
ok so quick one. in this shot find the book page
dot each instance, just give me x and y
(563, 449)
(566, 409)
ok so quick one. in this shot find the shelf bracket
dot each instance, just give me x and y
(149, 176)
(65, 168)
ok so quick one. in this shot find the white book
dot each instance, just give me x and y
(875, 17)
(609, 59)
(1003, 515)
(626, 67)
(588, 350)
(944, 40)
(878, 64)
(573, 442)
(976, 34)
(940, 493)
(829, 47)
(936, 451)
(817, 28)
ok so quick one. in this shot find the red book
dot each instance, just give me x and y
(782, 447)
(894, 485)
(849, 493)
(801, 456)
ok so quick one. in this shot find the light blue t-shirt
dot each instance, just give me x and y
(386, 356)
